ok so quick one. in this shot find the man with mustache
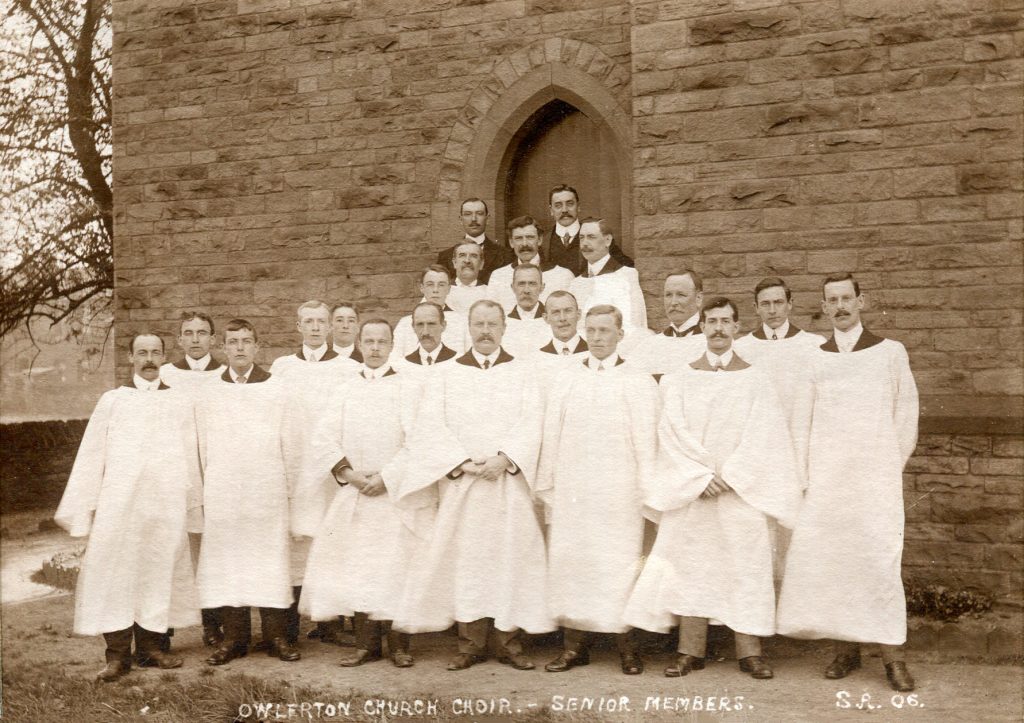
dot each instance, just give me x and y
(725, 466)
(429, 324)
(562, 245)
(604, 280)
(135, 490)
(562, 315)
(344, 329)
(843, 570)
(524, 236)
(244, 560)
(468, 262)
(435, 285)
(473, 215)
(681, 341)
(600, 424)
(195, 337)
(526, 329)
(484, 565)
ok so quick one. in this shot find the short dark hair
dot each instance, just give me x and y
(474, 199)
(522, 222)
(527, 267)
(376, 321)
(437, 268)
(561, 188)
(845, 276)
(604, 226)
(146, 332)
(241, 325)
(719, 302)
(602, 309)
(345, 305)
(428, 305)
(190, 315)
(698, 282)
(770, 283)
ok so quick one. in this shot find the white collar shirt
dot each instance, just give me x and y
(780, 333)
(314, 354)
(144, 384)
(428, 358)
(377, 373)
(478, 240)
(608, 362)
(345, 351)
(235, 375)
(531, 314)
(593, 269)
(490, 358)
(566, 347)
(568, 232)
(718, 361)
(846, 340)
(198, 365)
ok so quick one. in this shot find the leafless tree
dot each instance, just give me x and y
(56, 216)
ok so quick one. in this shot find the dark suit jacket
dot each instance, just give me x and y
(182, 364)
(866, 341)
(443, 355)
(570, 256)
(495, 256)
(257, 375)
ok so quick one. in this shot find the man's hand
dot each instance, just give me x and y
(374, 485)
(716, 487)
(493, 467)
(471, 467)
(356, 479)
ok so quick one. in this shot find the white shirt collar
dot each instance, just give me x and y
(846, 340)
(478, 240)
(780, 332)
(198, 365)
(312, 354)
(377, 373)
(692, 321)
(531, 314)
(344, 350)
(432, 355)
(492, 357)
(719, 359)
(595, 268)
(607, 363)
(144, 384)
(535, 261)
(570, 345)
(571, 230)
(234, 376)
(458, 282)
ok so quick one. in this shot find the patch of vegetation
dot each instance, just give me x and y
(61, 570)
(937, 602)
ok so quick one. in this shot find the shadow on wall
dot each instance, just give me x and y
(36, 459)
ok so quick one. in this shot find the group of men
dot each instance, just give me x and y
(493, 467)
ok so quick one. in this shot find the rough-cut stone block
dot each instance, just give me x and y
(734, 27)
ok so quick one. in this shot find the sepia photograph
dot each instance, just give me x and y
(511, 360)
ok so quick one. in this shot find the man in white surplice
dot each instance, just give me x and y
(605, 280)
(195, 337)
(485, 565)
(468, 261)
(681, 341)
(244, 558)
(344, 329)
(362, 550)
(843, 570)
(725, 465)
(526, 328)
(134, 489)
(524, 236)
(435, 285)
(600, 425)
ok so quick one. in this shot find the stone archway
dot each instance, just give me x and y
(476, 156)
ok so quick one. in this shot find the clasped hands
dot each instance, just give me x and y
(489, 468)
(716, 487)
(370, 484)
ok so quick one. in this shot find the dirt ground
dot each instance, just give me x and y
(37, 636)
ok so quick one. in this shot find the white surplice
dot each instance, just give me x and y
(499, 285)
(843, 570)
(524, 336)
(712, 557)
(455, 336)
(600, 434)
(134, 485)
(187, 379)
(659, 354)
(460, 298)
(486, 557)
(244, 558)
(620, 288)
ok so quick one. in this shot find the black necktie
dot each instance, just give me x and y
(430, 360)
(487, 363)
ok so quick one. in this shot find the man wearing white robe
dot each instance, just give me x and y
(135, 490)
(485, 564)
(195, 337)
(524, 236)
(429, 324)
(600, 426)
(725, 466)
(843, 570)
(468, 261)
(605, 280)
(361, 444)
(244, 559)
(435, 285)
(313, 324)
(526, 328)
(344, 328)
(562, 315)
(681, 341)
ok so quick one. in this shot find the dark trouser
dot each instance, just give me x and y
(693, 639)
(238, 625)
(579, 640)
(370, 635)
(473, 638)
(292, 624)
(890, 653)
(212, 618)
(119, 644)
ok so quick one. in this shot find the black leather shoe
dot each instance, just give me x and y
(158, 659)
(631, 663)
(359, 657)
(899, 677)
(284, 650)
(568, 659)
(212, 637)
(684, 664)
(225, 654)
(757, 667)
(517, 661)
(842, 665)
(401, 659)
(113, 671)
(465, 660)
